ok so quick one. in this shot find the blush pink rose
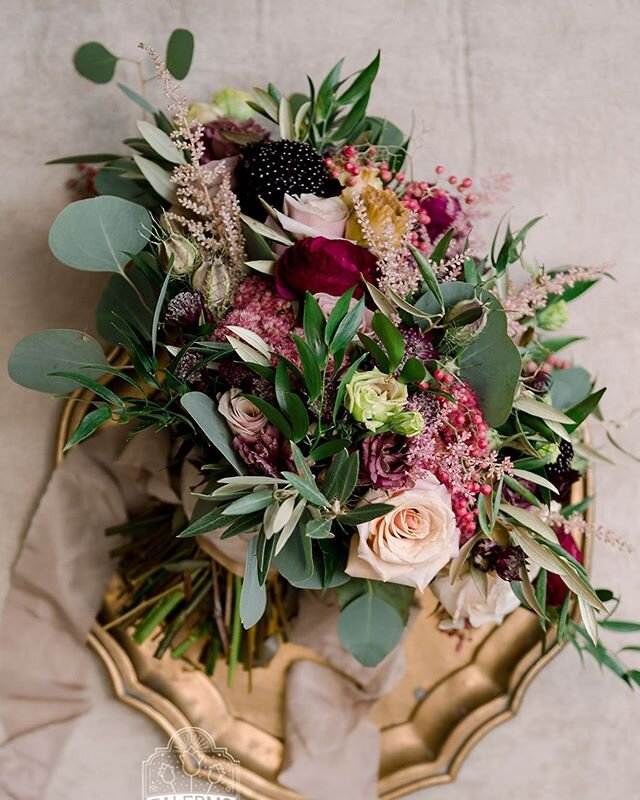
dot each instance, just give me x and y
(410, 544)
(244, 419)
(316, 216)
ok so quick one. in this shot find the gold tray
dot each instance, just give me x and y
(451, 695)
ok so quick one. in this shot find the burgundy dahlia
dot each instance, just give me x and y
(444, 212)
(323, 265)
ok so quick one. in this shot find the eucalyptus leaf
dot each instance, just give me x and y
(138, 99)
(100, 233)
(179, 53)
(569, 387)
(38, 355)
(94, 62)
(369, 628)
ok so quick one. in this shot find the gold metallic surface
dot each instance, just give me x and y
(451, 695)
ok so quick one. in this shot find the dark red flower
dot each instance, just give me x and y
(556, 588)
(323, 265)
(444, 211)
(384, 460)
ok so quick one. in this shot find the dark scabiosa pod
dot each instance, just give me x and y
(269, 169)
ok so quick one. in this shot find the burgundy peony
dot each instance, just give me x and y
(384, 460)
(317, 265)
(556, 587)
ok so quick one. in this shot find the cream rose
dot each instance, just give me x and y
(310, 215)
(410, 544)
(463, 601)
(243, 418)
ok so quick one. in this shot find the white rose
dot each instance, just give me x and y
(463, 600)
(309, 215)
(243, 417)
(410, 544)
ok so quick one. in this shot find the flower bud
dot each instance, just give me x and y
(554, 316)
(407, 423)
(185, 254)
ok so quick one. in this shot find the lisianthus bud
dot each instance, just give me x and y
(185, 254)
(407, 423)
(554, 316)
(373, 398)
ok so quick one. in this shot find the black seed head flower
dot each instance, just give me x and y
(269, 169)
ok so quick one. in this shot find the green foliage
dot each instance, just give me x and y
(94, 62)
(37, 356)
(205, 414)
(253, 598)
(369, 628)
(179, 53)
(99, 234)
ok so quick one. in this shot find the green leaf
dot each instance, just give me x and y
(349, 478)
(38, 355)
(162, 144)
(306, 489)
(98, 389)
(514, 484)
(347, 328)
(377, 353)
(90, 423)
(529, 520)
(157, 177)
(569, 387)
(272, 414)
(327, 90)
(253, 597)
(314, 327)
(94, 62)
(297, 414)
(391, 339)
(338, 313)
(361, 84)
(179, 53)
(352, 119)
(439, 252)
(138, 99)
(310, 367)
(295, 561)
(99, 234)
(318, 529)
(211, 521)
(582, 410)
(342, 388)
(620, 626)
(202, 409)
(87, 158)
(327, 449)
(120, 179)
(365, 513)
(248, 503)
(120, 299)
(537, 408)
(428, 275)
(264, 231)
(369, 628)
(414, 371)
(332, 477)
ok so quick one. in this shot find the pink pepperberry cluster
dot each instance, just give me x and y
(437, 207)
(83, 186)
(465, 425)
(353, 159)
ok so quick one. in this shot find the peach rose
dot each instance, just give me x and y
(243, 418)
(463, 600)
(410, 544)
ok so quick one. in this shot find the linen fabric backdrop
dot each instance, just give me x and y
(547, 90)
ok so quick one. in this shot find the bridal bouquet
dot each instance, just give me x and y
(364, 402)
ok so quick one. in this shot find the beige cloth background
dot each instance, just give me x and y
(548, 90)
